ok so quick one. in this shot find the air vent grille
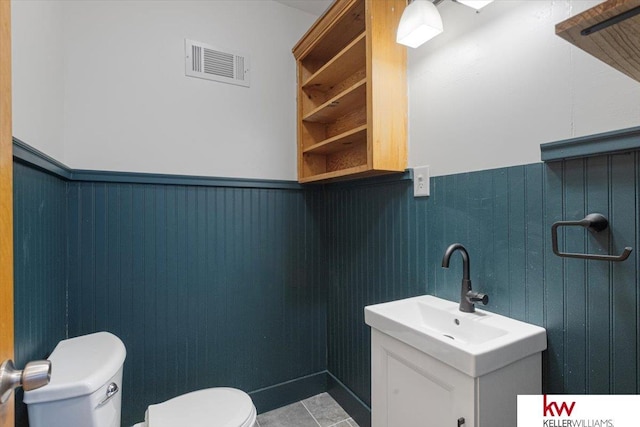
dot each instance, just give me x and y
(222, 65)
(196, 57)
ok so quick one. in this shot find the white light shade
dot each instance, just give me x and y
(420, 22)
(476, 4)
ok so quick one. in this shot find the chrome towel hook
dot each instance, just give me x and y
(594, 222)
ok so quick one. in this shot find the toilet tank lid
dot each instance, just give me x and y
(80, 366)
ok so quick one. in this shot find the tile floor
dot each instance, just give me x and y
(317, 411)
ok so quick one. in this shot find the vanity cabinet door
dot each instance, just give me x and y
(412, 389)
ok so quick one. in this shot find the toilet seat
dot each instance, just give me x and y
(211, 407)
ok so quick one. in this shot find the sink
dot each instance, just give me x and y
(474, 343)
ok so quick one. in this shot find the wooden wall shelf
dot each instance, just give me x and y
(340, 67)
(339, 105)
(617, 44)
(338, 142)
(352, 93)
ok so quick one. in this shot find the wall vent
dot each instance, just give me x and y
(211, 63)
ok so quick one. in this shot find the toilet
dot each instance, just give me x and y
(85, 391)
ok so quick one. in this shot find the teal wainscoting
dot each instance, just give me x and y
(262, 285)
(376, 246)
(206, 286)
(40, 280)
(208, 281)
(386, 245)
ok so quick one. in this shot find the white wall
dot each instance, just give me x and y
(38, 74)
(129, 106)
(109, 91)
(495, 85)
(101, 85)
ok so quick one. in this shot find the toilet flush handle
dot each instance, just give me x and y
(35, 375)
(112, 389)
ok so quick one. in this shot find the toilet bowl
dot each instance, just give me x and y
(85, 391)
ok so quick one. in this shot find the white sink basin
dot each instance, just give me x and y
(474, 343)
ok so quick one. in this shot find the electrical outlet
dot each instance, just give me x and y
(421, 181)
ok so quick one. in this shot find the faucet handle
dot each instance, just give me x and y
(474, 297)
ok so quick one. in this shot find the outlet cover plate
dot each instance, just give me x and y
(421, 181)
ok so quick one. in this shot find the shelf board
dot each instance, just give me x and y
(338, 142)
(617, 45)
(339, 105)
(339, 68)
(335, 174)
(343, 21)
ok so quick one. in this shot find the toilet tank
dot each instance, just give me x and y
(85, 387)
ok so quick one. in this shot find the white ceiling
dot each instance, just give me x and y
(315, 7)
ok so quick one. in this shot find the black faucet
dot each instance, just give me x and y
(467, 296)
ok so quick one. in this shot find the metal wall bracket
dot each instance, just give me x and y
(594, 222)
(611, 21)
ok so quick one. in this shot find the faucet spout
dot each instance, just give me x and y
(467, 296)
(465, 258)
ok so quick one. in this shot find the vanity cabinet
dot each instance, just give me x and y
(352, 93)
(410, 388)
(609, 31)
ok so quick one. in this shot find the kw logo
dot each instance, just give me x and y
(548, 408)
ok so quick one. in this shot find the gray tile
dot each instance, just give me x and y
(294, 415)
(325, 410)
(344, 423)
(352, 422)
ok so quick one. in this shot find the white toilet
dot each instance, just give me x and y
(86, 378)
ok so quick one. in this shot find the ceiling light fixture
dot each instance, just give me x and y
(476, 4)
(419, 23)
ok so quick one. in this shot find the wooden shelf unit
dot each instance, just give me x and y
(618, 44)
(352, 93)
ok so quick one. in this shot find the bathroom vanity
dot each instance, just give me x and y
(432, 365)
